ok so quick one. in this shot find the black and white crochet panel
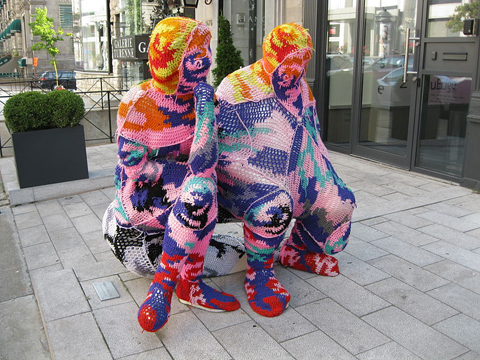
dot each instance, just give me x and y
(140, 253)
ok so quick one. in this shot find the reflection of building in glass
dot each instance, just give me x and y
(91, 38)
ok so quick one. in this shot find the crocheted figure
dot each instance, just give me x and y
(273, 167)
(165, 178)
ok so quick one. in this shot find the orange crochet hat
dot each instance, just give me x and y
(283, 41)
(169, 41)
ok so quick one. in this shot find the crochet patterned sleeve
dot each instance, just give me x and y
(204, 150)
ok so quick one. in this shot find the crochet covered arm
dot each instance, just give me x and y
(192, 220)
(204, 150)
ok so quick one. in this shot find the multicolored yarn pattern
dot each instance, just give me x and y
(165, 177)
(168, 43)
(284, 40)
(273, 167)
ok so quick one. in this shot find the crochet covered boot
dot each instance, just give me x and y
(265, 294)
(295, 254)
(191, 290)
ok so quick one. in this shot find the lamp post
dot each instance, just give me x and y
(194, 3)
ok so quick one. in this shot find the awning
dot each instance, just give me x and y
(14, 27)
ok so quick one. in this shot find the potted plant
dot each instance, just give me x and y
(48, 141)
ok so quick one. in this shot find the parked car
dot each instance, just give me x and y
(65, 79)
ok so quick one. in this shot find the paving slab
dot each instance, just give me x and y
(407, 251)
(33, 236)
(121, 330)
(249, 341)
(463, 329)
(414, 335)
(408, 273)
(412, 301)
(457, 274)
(456, 254)
(77, 337)
(390, 351)
(59, 294)
(452, 236)
(459, 298)
(22, 336)
(316, 346)
(348, 330)
(185, 337)
(359, 271)
(349, 294)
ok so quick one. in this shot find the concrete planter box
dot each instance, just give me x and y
(50, 156)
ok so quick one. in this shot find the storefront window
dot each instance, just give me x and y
(135, 17)
(247, 22)
(90, 35)
(441, 22)
(342, 23)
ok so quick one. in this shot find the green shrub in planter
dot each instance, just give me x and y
(27, 112)
(67, 108)
(35, 110)
(46, 126)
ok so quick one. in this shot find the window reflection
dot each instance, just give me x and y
(385, 96)
(342, 38)
(445, 17)
(90, 35)
(443, 123)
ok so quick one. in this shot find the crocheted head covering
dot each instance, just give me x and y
(283, 41)
(172, 39)
(287, 49)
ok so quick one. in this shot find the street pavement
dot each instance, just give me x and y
(409, 286)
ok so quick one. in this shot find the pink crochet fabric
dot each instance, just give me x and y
(273, 167)
(165, 178)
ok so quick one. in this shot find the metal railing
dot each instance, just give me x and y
(100, 95)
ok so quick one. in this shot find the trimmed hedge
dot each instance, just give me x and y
(33, 110)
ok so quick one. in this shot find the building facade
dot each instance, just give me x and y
(396, 81)
(16, 38)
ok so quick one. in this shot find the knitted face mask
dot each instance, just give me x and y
(175, 44)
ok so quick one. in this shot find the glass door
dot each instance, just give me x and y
(340, 59)
(449, 63)
(390, 55)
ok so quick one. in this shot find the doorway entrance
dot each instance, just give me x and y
(411, 67)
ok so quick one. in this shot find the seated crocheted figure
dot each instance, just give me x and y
(273, 167)
(165, 208)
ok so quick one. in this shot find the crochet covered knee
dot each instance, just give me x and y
(270, 215)
(197, 205)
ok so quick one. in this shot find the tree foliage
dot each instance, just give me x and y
(228, 58)
(160, 12)
(43, 27)
(462, 12)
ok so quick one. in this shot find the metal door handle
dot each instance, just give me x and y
(405, 61)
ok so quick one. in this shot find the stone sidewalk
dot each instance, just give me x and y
(409, 286)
